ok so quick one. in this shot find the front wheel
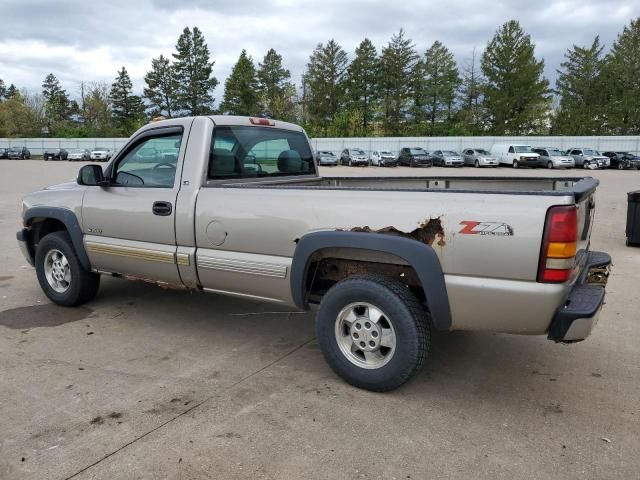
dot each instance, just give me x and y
(373, 332)
(477, 164)
(620, 166)
(515, 164)
(550, 165)
(60, 274)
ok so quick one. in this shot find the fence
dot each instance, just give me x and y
(616, 143)
(394, 144)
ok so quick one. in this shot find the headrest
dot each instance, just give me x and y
(223, 162)
(289, 161)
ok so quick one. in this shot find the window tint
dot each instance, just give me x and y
(245, 152)
(511, 150)
(151, 163)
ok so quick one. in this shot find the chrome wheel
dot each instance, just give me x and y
(365, 335)
(57, 271)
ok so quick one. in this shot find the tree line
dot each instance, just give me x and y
(396, 91)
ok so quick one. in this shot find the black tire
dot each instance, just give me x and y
(550, 165)
(516, 164)
(83, 285)
(477, 164)
(620, 166)
(406, 315)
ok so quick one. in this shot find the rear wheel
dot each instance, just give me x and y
(60, 274)
(373, 332)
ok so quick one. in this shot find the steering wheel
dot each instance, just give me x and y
(158, 175)
(164, 164)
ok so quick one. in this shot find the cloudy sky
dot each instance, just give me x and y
(85, 40)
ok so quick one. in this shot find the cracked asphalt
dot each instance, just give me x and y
(149, 383)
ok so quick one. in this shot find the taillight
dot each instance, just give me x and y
(262, 121)
(559, 244)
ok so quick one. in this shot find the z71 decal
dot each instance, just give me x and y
(500, 229)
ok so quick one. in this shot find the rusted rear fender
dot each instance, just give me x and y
(420, 256)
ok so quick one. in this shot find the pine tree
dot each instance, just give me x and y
(127, 109)
(362, 82)
(578, 85)
(441, 83)
(622, 87)
(193, 70)
(3, 90)
(56, 102)
(161, 87)
(12, 91)
(241, 95)
(471, 86)
(325, 83)
(397, 64)
(276, 90)
(516, 95)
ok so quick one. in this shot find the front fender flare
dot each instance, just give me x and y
(422, 258)
(70, 221)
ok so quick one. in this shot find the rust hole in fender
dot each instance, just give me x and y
(429, 231)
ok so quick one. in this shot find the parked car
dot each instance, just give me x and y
(4, 153)
(414, 157)
(588, 158)
(552, 157)
(59, 154)
(623, 160)
(79, 154)
(18, 153)
(354, 157)
(417, 255)
(327, 158)
(101, 154)
(515, 155)
(478, 157)
(383, 158)
(446, 158)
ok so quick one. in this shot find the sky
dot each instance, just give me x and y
(90, 40)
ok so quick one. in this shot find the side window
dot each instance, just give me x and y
(151, 163)
(511, 150)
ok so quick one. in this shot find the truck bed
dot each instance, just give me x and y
(555, 186)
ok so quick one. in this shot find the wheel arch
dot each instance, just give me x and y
(419, 256)
(49, 219)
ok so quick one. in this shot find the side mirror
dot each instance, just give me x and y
(92, 175)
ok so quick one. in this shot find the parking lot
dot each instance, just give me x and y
(151, 383)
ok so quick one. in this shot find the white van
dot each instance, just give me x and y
(515, 155)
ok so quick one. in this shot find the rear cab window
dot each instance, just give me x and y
(258, 152)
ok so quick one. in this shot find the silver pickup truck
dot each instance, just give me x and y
(235, 206)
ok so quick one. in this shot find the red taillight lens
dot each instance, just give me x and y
(559, 245)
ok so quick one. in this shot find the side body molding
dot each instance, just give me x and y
(69, 219)
(419, 255)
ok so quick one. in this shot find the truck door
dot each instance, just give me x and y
(129, 225)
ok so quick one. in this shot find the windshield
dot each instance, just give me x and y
(245, 152)
(554, 152)
(482, 152)
(384, 152)
(522, 148)
(417, 151)
(100, 148)
(326, 153)
(449, 152)
(357, 151)
(588, 151)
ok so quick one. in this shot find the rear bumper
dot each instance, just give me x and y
(575, 320)
(23, 242)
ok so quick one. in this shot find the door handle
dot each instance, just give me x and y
(162, 209)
